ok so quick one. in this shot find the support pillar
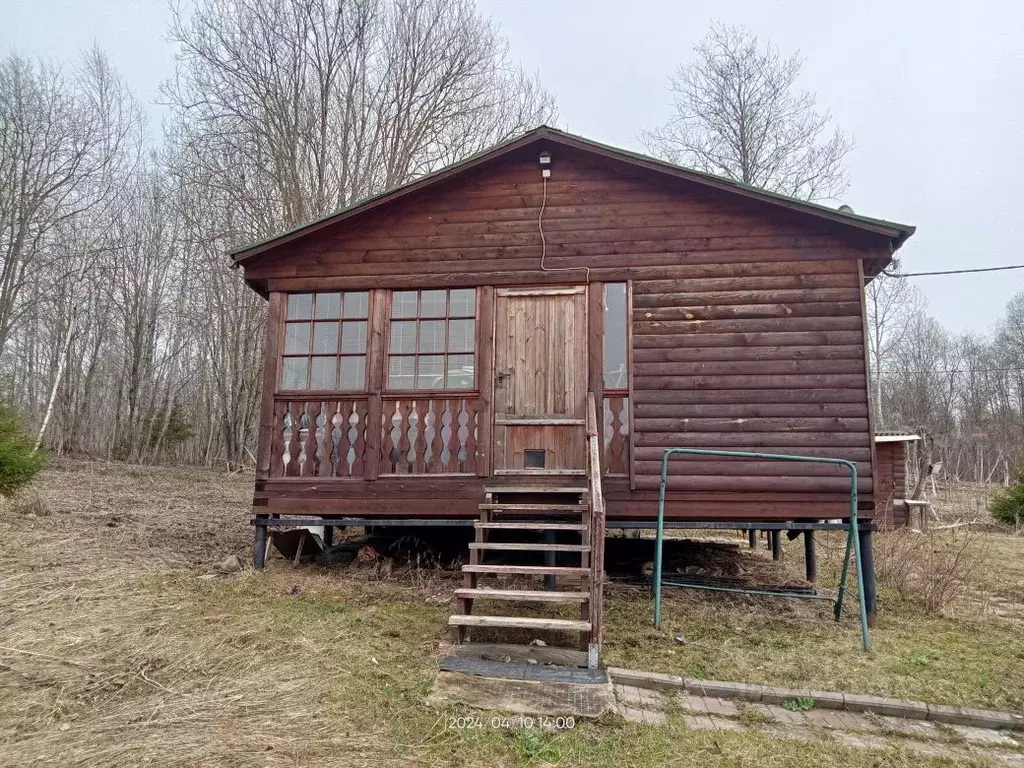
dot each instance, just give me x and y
(752, 538)
(776, 540)
(867, 566)
(259, 553)
(328, 536)
(810, 556)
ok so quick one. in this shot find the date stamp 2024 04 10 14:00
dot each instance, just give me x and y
(546, 722)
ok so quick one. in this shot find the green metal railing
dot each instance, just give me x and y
(852, 540)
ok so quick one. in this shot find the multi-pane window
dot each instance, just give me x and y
(615, 322)
(432, 339)
(325, 341)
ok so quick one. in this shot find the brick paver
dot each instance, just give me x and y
(851, 729)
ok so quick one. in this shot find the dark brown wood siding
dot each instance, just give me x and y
(891, 480)
(747, 322)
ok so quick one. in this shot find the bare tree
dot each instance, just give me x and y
(892, 302)
(739, 114)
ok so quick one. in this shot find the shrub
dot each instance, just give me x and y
(1007, 504)
(18, 464)
(931, 569)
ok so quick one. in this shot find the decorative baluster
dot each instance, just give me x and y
(281, 453)
(356, 439)
(319, 428)
(447, 433)
(436, 444)
(419, 444)
(339, 466)
(295, 444)
(404, 444)
(392, 436)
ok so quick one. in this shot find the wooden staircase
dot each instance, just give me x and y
(538, 516)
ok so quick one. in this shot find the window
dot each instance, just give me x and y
(616, 374)
(325, 341)
(432, 339)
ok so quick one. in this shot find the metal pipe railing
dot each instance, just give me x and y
(852, 540)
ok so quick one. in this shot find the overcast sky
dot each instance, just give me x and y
(933, 94)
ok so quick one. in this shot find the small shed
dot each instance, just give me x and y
(891, 508)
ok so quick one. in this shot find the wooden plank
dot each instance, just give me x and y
(536, 507)
(528, 546)
(526, 570)
(375, 361)
(564, 489)
(740, 340)
(854, 381)
(525, 595)
(691, 353)
(271, 362)
(485, 381)
(540, 421)
(540, 291)
(531, 525)
(523, 622)
(748, 367)
(748, 396)
(750, 410)
(751, 424)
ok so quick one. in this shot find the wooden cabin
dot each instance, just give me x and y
(431, 352)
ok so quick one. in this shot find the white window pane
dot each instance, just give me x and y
(401, 372)
(615, 374)
(403, 336)
(460, 335)
(433, 304)
(432, 336)
(353, 336)
(431, 372)
(403, 304)
(296, 338)
(463, 303)
(293, 373)
(300, 306)
(353, 372)
(460, 372)
(328, 306)
(357, 304)
(325, 338)
(324, 373)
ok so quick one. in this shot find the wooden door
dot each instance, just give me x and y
(540, 380)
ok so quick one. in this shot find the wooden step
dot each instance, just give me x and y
(529, 525)
(537, 507)
(528, 546)
(571, 625)
(524, 595)
(532, 489)
(527, 570)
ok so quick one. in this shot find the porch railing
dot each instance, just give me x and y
(596, 530)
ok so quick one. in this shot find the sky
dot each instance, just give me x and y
(932, 93)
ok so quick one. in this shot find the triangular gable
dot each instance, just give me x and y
(897, 233)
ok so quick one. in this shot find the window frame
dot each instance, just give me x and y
(387, 354)
(627, 386)
(310, 355)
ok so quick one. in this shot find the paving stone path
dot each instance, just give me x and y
(852, 729)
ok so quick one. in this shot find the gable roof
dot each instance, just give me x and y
(897, 233)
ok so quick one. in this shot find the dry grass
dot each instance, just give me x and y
(116, 650)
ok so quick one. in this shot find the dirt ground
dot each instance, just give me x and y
(121, 644)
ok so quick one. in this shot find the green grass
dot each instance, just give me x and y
(969, 660)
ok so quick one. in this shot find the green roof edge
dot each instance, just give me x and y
(903, 230)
